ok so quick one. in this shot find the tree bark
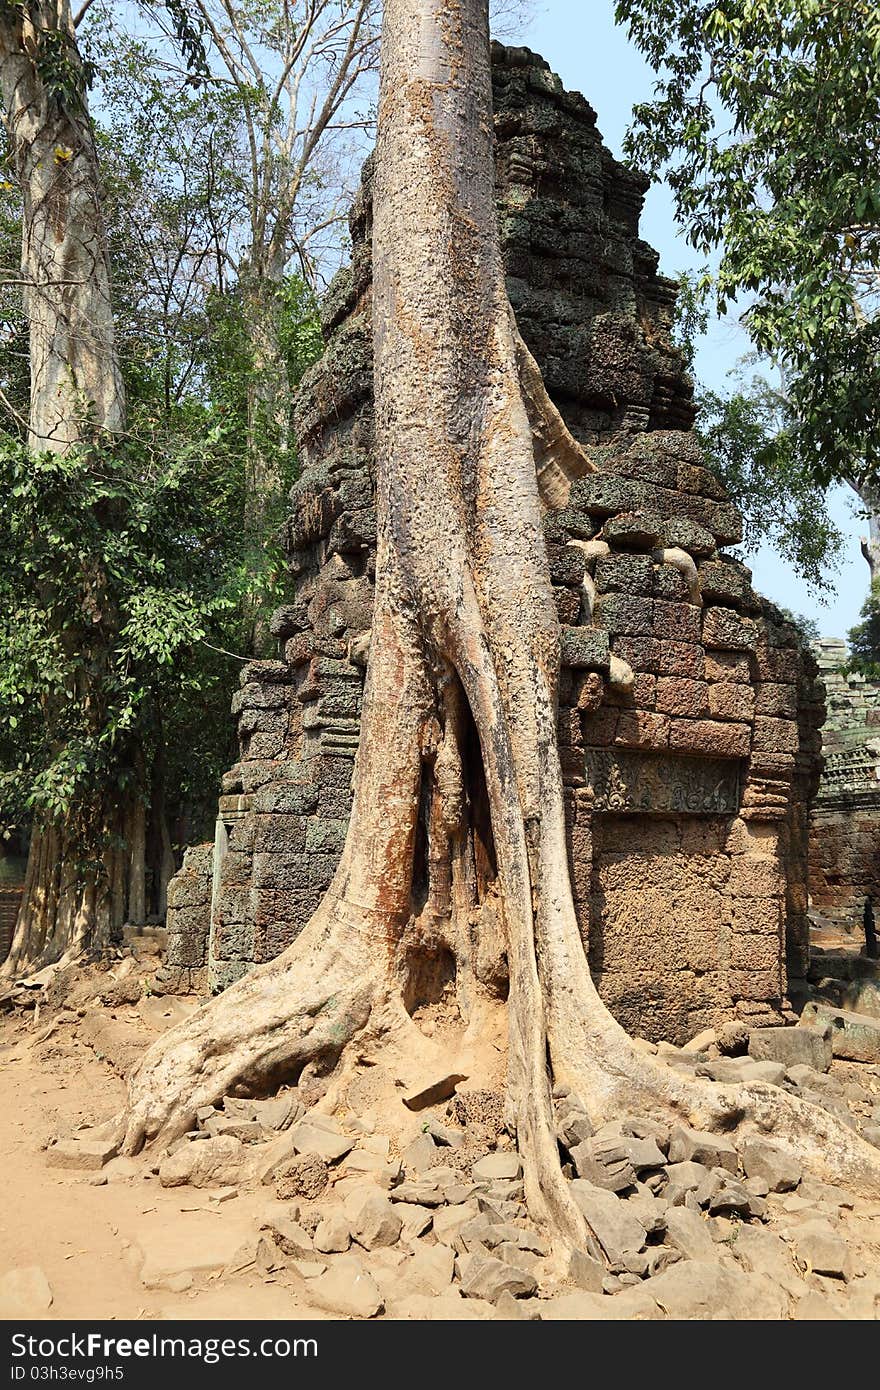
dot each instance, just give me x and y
(76, 387)
(268, 399)
(870, 544)
(465, 633)
(76, 397)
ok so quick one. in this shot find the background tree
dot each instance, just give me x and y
(766, 122)
(121, 519)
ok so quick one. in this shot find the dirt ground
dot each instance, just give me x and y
(88, 1239)
(116, 1244)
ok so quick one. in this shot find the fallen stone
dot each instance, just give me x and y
(375, 1222)
(504, 1166)
(24, 1293)
(792, 1046)
(489, 1278)
(420, 1154)
(81, 1154)
(802, 1075)
(821, 1250)
(174, 1251)
(434, 1092)
(586, 1272)
(630, 1305)
(731, 1199)
(694, 1146)
(346, 1288)
(770, 1073)
(609, 1168)
(248, 1131)
(688, 1232)
(277, 1113)
(614, 1225)
(651, 1211)
(760, 1251)
(287, 1234)
(700, 1290)
(432, 1267)
(446, 1134)
(220, 1162)
(332, 1235)
(780, 1170)
(508, 1308)
(423, 1193)
(416, 1220)
(449, 1221)
(684, 1178)
(853, 1036)
(309, 1138)
(814, 1308)
(574, 1128)
(702, 1041)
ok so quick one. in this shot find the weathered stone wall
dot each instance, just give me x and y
(686, 790)
(845, 830)
(188, 922)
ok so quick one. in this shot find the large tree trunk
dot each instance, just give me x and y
(76, 388)
(77, 396)
(465, 636)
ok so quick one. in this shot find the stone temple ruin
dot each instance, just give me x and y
(845, 834)
(688, 788)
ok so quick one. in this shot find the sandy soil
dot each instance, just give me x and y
(88, 1239)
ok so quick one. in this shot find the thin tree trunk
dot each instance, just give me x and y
(76, 397)
(76, 387)
(870, 544)
(268, 397)
(464, 632)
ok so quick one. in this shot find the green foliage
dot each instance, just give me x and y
(748, 437)
(115, 572)
(864, 638)
(765, 121)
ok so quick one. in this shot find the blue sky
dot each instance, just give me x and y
(592, 55)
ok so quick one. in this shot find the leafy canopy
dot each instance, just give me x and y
(766, 122)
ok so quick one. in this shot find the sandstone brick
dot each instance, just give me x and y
(687, 698)
(710, 737)
(727, 666)
(682, 659)
(642, 729)
(627, 574)
(728, 700)
(642, 653)
(677, 622)
(625, 615)
(756, 984)
(775, 735)
(772, 698)
(725, 629)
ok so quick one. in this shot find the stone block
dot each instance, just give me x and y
(686, 698)
(792, 1046)
(725, 629)
(712, 737)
